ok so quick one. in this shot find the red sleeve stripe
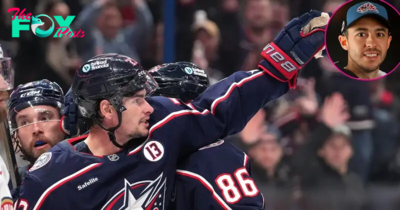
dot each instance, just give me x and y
(206, 184)
(174, 115)
(61, 182)
(230, 89)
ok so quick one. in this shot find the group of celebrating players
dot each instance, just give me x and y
(149, 139)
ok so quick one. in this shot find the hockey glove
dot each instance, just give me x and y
(300, 41)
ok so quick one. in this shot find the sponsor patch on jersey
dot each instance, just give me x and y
(213, 144)
(41, 161)
(7, 203)
(153, 151)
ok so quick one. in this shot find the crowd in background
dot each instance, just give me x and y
(332, 143)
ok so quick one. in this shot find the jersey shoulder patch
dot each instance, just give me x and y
(216, 144)
(41, 161)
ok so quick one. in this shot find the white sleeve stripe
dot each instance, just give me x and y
(246, 159)
(61, 182)
(230, 89)
(172, 116)
(206, 184)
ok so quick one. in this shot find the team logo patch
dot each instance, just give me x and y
(213, 144)
(367, 7)
(86, 68)
(41, 161)
(113, 157)
(146, 194)
(153, 151)
(7, 203)
(188, 70)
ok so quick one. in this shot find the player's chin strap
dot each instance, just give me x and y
(111, 131)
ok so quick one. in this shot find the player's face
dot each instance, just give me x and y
(258, 13)
(136, 116)
(3, 107)
(38, 130)
(110, 21)
(367, 44)
(336, 151)
(268, 154)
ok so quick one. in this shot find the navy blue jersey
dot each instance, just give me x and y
(216, 177)
(141, 177)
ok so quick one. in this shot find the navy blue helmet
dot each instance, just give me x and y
(108, 77)
(182, 80)
(42, 92)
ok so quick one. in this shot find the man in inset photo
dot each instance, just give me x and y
(366, 38)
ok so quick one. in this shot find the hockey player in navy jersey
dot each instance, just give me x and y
(34, 111)
(129, 158)
(216, 176)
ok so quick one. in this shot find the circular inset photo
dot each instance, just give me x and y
(363, 39)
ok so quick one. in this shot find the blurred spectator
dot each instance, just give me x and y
(205, 50)
(258, 18)
(359, 101)
(295, 113)
(272, 175)
(102, 22)
(5, 20)
(55, 59)
(322, 163)
(231, 55)
(280, 16)
(253, 131)
(258, 14)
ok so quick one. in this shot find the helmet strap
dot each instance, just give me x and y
(111, 131)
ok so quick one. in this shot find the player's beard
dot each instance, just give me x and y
(28, 151)
(28, 155)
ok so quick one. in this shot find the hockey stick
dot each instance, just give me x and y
(9, 148)
(7, 84)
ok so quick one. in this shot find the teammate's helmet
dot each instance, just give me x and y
(183, 80)
(108, 77)
(42, 92)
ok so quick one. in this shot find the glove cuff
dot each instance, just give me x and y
(280, 60)
(279, 65)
